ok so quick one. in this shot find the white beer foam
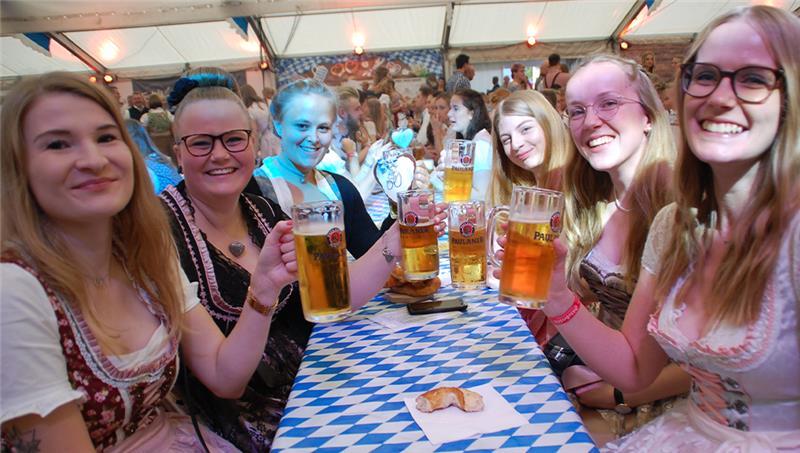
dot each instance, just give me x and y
(316, 229)
(531, 217)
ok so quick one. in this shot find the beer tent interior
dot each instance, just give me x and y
(148, 39)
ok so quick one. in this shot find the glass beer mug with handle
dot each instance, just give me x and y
(322, 260)
(416, 212)
(534, 222)
(458, 159)
(467, 236)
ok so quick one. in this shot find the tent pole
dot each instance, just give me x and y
(79, 53)
(632, 13)
(448, 19)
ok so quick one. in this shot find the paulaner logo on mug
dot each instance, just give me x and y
(334, 237)
(467, 229)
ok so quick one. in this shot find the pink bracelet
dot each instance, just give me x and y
(569, 314)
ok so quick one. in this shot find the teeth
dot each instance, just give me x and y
(221, 171)
(599, 141)
(722, 128)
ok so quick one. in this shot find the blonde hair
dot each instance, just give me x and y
(505, 174)
(748, 263)
(588, 191)
(302, 87)
(140, 232)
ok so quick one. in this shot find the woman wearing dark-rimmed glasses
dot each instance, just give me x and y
(219, 229)
(718, 291)
(614, 186)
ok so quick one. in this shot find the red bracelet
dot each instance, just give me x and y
(565, 317)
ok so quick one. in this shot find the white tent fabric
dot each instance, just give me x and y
(17, 58)
(160, 37)
(383, 30)
(167, 49)
(568, 20)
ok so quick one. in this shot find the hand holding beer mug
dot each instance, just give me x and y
(417, 218)
(458, 158)
(322, 260)
(534, 223)
(467, 236)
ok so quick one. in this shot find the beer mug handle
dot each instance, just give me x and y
(493, 214)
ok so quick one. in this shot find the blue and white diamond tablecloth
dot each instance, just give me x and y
(348, 395)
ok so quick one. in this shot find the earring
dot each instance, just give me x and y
(180, 169)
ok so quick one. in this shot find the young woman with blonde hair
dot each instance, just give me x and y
(614, 185)
(719, 287)
(94, 303)
(531, 145)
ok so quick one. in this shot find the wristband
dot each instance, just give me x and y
(254, 303)
(565, 317)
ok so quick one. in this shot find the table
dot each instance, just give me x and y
(348, 395)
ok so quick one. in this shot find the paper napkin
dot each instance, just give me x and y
(452, 424)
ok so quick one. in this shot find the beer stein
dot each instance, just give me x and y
(534, 222)
(467, 237)
(416, 212)
(458, 158)
(322, 260)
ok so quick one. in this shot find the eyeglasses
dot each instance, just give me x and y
(605, 109)
(751, 84)
(200, 145)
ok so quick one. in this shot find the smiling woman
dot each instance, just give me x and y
(94, 306)
(222, 232)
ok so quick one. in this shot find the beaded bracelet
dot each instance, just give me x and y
(254, 303)
(565, 317)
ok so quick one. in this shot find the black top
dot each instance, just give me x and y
(250, 422)
(360, 231)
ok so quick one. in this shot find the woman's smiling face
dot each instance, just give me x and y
(306, 129)
(721, 128)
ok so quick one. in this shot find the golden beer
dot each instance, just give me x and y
(322, 275)
(467, 257)
(528, 263)
(457, 183)
(420, 251)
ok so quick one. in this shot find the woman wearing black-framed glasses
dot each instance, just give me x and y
(719, 288)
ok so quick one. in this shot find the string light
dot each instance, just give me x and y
(624, 45)
(108, 78)
(93, 78)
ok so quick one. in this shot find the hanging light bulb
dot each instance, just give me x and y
(624, 45)
(531, 33)
(108, 78)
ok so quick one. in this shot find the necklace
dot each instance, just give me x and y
(236, 248)
(619, 205)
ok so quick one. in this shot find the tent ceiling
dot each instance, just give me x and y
(19, 59)
(488, 24)
(319, 34)
(151, 37)
(684, 17)
(167, 46)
